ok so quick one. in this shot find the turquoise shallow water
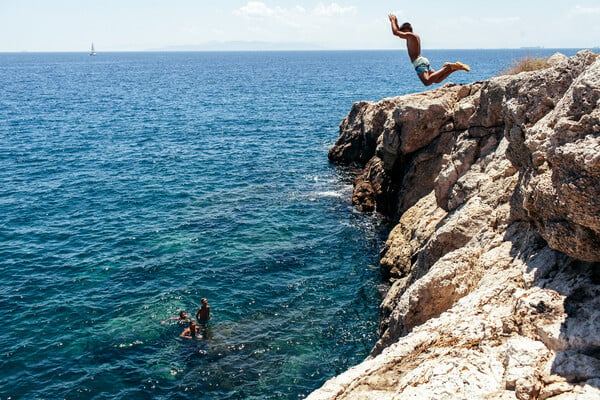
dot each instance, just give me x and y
(134, 184)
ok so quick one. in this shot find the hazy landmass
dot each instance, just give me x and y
(241, 45)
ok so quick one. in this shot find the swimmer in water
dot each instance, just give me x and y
(182, 318)
(203, 313)
(191, 332)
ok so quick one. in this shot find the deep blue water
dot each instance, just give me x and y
(134, 184)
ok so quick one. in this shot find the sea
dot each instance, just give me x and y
(132, 185)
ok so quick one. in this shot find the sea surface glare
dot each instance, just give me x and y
(134, 184)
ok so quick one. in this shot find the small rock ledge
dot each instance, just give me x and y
(494, 260)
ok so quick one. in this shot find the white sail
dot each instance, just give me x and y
(92, 52)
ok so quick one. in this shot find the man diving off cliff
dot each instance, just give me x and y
(421, 64)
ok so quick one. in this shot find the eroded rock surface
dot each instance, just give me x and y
(494, 261)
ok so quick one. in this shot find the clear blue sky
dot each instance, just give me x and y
(123, 25)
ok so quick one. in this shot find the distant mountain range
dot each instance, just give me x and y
(242, 46)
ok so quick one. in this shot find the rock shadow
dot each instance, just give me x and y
(561, 307)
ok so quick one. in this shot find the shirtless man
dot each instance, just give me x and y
(413, 44)
(203, 313)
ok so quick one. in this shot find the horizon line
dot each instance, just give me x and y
(287, 50)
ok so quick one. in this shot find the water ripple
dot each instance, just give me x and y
(133, 185)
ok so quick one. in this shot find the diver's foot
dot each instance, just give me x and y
(457, 66)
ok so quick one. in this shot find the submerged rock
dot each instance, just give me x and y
(494, 261)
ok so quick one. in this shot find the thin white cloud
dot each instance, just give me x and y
(259, 9)
(333, 9)
(501, 20)
(279, 16)
(255, 9)
(578, 10)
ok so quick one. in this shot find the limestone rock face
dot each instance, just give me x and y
(494, 259)
(561, 188)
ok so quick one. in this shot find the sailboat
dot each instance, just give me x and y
(92, 52)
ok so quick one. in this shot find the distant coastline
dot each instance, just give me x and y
(243, 46)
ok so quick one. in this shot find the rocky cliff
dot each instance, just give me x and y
(494, 260)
